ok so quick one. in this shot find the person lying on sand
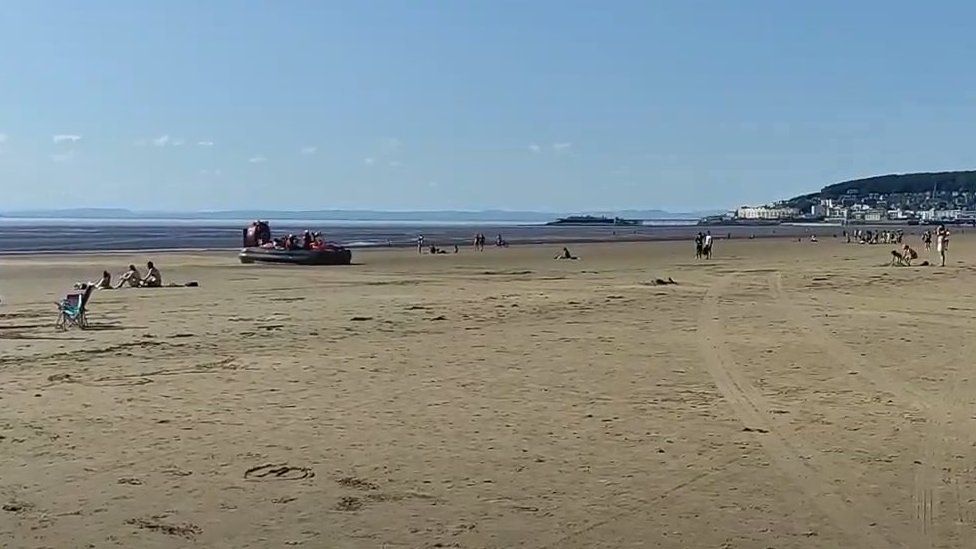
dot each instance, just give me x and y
(661, 282)
(132, 277)
(566, 255)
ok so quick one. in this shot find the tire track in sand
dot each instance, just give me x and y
(933, 478)
(843, 510)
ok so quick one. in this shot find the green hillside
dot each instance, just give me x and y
(905, 183)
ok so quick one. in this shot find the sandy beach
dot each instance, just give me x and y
(784, 394)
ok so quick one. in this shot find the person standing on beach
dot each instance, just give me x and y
(942, 242)
(707, 248)
(699, 243)
(420, 243)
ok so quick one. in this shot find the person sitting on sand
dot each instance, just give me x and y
(130, 277)
(908, 255)
(153, 277)
(566, 255)
(105, 283)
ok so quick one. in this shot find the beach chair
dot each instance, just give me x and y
(72, 309)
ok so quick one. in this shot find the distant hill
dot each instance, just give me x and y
(897, 183)
(344, 215)
(906, 183)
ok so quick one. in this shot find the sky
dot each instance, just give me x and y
(531, 105)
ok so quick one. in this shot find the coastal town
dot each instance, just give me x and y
(857, 207)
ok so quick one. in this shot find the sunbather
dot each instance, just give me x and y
(565, 255)
(153, 277)
(132, 277)
(105, 283)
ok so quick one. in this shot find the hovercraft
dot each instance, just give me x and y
(259, 247)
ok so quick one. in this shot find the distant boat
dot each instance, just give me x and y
(593, 220)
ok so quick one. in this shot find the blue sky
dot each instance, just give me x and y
(474, 105)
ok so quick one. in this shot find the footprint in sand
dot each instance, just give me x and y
(357, 483)
(349, 503)
(186, 530)
(277, 471)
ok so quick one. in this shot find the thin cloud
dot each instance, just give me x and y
(432, 184)
(211, 172)
(63, 157)
(560, 148)
(369, 161)
(259, 159)
(3, 138)
(178, 142)
(161, 141)
(534, 148)
(311, 149)
(62, 137)
(396, 164)
(205, 143)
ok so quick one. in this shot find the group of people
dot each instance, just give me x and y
(309, 241)
(905, 257)
(875, 237)
(479, 244)
(703, 245)
(132, 278)
(908, 254)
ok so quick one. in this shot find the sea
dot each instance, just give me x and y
(27, 235)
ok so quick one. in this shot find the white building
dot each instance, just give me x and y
(875, 215)
(766, 212)
(940, 215)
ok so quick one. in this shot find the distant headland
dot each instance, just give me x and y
(928, 197)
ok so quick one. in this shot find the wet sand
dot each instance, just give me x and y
(784, 394)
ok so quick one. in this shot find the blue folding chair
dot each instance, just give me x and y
(72, 309)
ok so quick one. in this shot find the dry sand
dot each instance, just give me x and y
(782, 395)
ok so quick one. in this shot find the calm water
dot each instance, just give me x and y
(31, 235)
